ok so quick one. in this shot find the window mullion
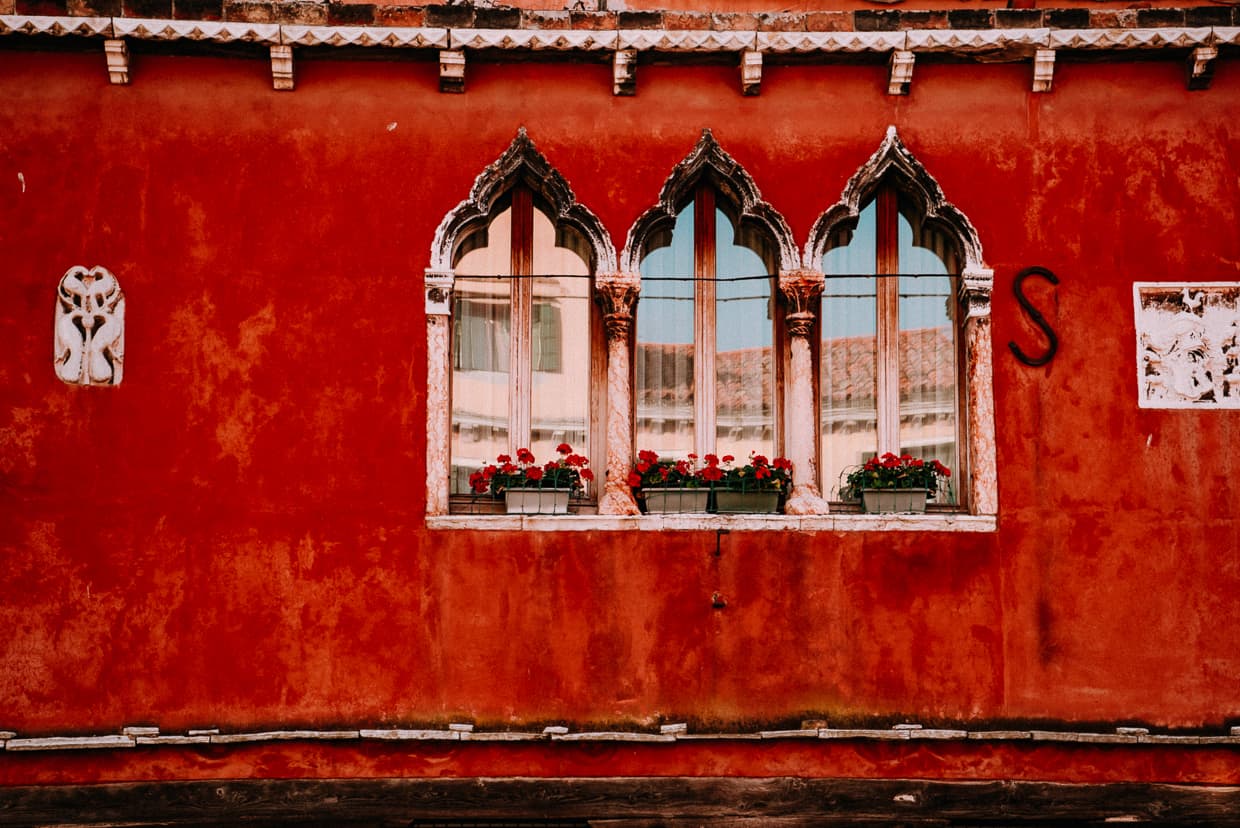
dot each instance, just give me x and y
(888, 366)
(519, 402)
(704, 374)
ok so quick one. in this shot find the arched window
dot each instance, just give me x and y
(521, 337)
(889, 347)
(706, 358)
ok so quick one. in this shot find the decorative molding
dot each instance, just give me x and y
(439, 292)
(58, 26)
(687, 40)
(892, 158)
(522, 160)
(1201, 67)
(451, 71)
(617, 294)
(1043, 70)
(1188, 344)
(282, 68)
(624, 72)
(975, 40)
(976, 286)
(1168, 37)
(537, 39)
(901, 65)
(390, 36)
(802, 290)
(117, 54)
(220, 32)
(89, 330)
(751, 73)
(708, 160)
(1225, 35)
(806, 42)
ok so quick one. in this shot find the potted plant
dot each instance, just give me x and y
(758, 487)
(896, 484)
(530, 488)
(666, 486)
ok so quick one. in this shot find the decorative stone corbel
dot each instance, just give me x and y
(438, 375)
(901, 65)
(617, 295)
(624, 72)
(117, 54)
(802, 289)
(1201, 67)
(282, 67)
(1043, 70)
(751, 73)
(452, 70)
(976, 285)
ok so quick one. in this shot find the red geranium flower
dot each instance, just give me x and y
(564, 448)
(534, 473)
(587, 475)
(712, 473)
(635, 480)
(524, 455)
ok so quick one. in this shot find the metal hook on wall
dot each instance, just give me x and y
(1038, 319)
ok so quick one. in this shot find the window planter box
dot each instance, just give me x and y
(887, 501)
(536, 501)
(676, 501)
(746, 503)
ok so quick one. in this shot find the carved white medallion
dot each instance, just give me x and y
(1188, 344)
(89, 347)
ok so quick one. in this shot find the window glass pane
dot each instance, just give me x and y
(744, 337)
(559, 343)
(849, 363)
(664, 392)
(481, 335)
(927, 347)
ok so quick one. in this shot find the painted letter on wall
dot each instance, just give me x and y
(89, 346)
(1188, 344)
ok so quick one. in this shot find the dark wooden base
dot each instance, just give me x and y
(674, 802)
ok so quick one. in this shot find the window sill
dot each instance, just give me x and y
(931, 522)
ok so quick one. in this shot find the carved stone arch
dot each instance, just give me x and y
(709, 160)
(892, 160)
(522, 162)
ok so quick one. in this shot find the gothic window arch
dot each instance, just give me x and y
(708, 342)
(905, 347)
(513, 331)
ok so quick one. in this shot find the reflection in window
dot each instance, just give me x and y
(705, 366)
(521, 346)
(888, 360)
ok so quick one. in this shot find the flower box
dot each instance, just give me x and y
(536, 501)
(675, 501)
(746, 503)
(887, 501)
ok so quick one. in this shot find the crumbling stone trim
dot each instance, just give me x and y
(131, 737)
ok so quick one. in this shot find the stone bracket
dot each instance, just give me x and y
(624, 72)
(1201, 67)
(452, 70)
(282, 68)
(751, 72)
(1043, 70)
(117, 54)
(901, 65)
(439, 293)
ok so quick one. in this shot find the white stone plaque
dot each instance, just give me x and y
(1188, 344)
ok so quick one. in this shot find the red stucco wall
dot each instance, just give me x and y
(234, 536)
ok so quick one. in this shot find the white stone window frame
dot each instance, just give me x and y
(617, 290)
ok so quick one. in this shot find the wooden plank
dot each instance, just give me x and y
(618, 802)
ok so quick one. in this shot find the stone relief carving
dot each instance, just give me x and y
(89, 346)
(1188, 344)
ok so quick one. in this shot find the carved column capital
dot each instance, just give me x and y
(801, 288)
(976, 285)
(617, 295)
(439, 293)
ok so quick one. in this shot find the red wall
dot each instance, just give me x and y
(234, 536)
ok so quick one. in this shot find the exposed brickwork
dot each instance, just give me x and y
(159, 9)
(937, 19)
(400, 16)
(1066, 18)
(1160, 17)
(89, 8)
(350, 14)
(780, 22)
(546, 19)
(840, 21)
(500, 18)
(449, 16)
(198, 9)
(641, 20)
(301, 14)
(970, 19)
(1018, 18)
(1208, 16)
(593, 20)
(688, 20)
(40, 7)
(883, 20)
(1112, 18)
(249, 11)
(733, 22)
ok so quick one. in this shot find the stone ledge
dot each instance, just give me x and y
(939, 522)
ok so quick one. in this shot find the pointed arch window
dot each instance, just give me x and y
(521, 336)
(707, 368)
(889, 377)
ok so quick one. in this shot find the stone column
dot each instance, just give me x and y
(438, 410)
(983, 486)
(617, 294)
(801, 288)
